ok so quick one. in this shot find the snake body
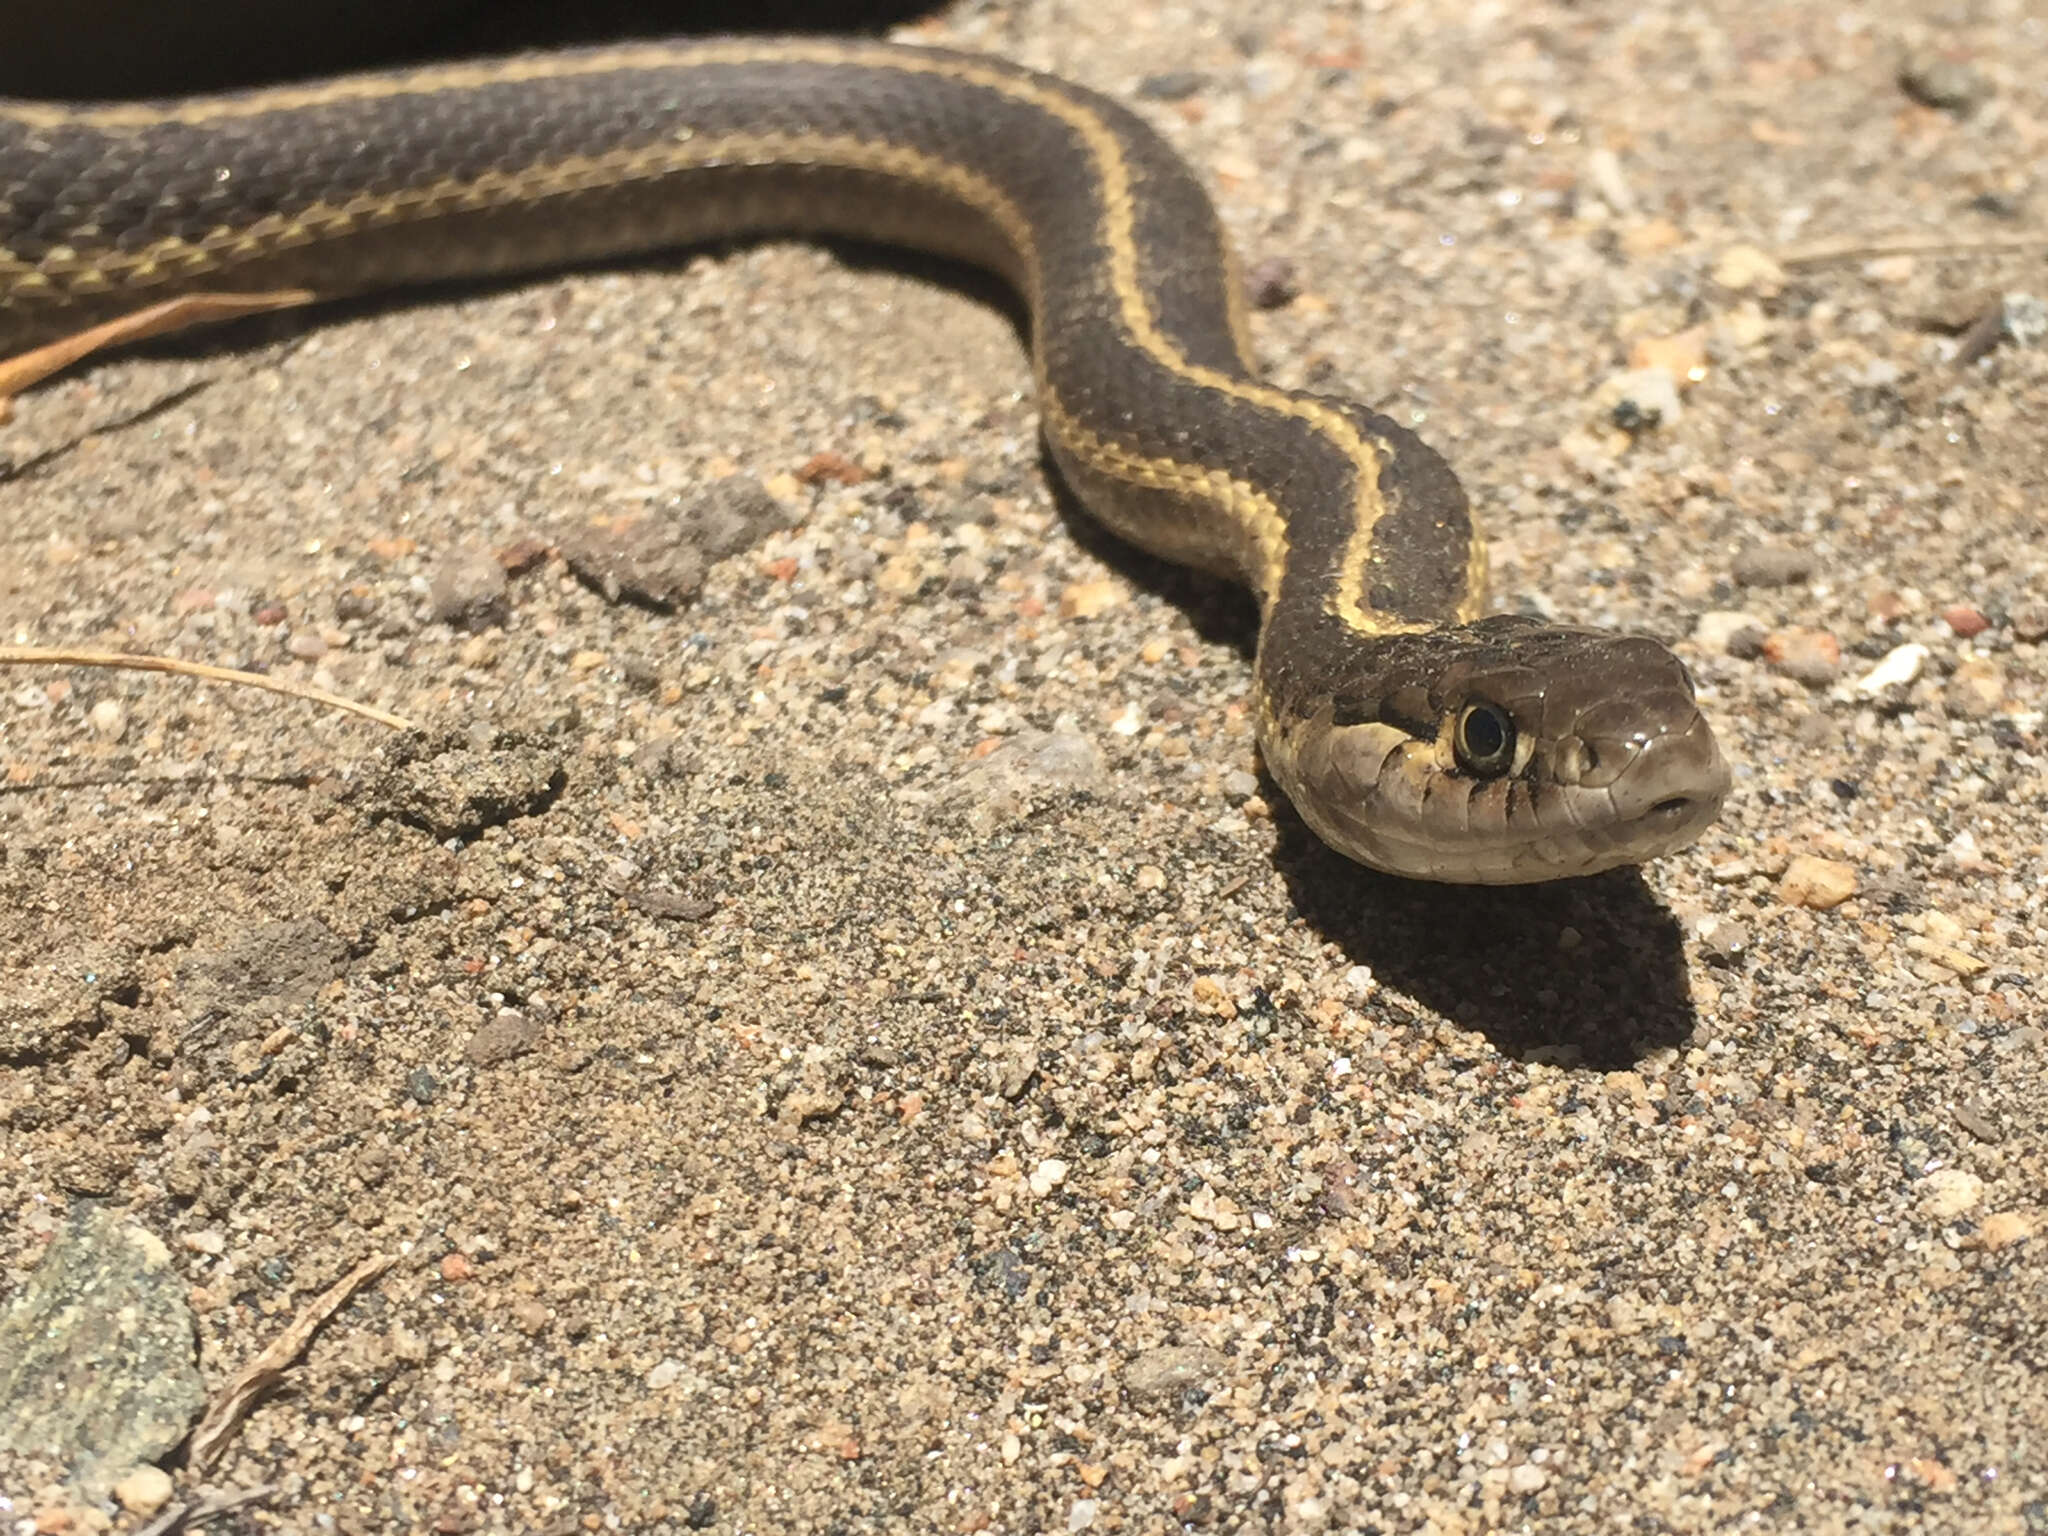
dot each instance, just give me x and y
(1409, 731)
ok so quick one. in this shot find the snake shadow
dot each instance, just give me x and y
(111, 49)
(1583, 973)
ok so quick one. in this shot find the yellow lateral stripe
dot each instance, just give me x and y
(1253, 510)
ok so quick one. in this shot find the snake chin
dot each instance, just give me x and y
(1598, 755)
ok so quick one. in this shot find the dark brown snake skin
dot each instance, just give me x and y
(1410, 732)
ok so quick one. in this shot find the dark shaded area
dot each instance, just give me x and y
(11, 470)
(122, 48)
(1489, 958)
(1498, 959)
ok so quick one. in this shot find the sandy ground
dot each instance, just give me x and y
(871, 1054)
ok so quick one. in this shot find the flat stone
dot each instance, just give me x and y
(98, 1354)
(144, 1491)
(1171, 1370)
(1773, 565)
(511, 1034)
(467, 591)
(1816, 882)
(1810, 656)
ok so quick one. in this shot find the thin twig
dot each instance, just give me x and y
(1934, 243)
(269, 1367)
(19, 372)
(61, 656)
(183, 1516)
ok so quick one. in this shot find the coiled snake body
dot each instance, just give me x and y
(1410, 732)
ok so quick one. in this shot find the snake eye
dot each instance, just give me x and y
(1485, 740)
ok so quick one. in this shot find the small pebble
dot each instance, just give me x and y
(1810, 656)
(1746, 269)
(1640, 401)
(1171, 85)
(836, 467)
(1016, 1070)
(1608, 181)
(109, 721)
(1948, 84)
(1048, 1176)
(1683, 355)
(1730, 632)
(670, 904)
(1975, 690)
(1978, 1124)
(804, 1105)
(354, 604)
(1724, 939)
(521, 555)
(2025, 319)
(144, 1491)
(510, 1034)
(2030, 623)
(1816, 883)
(1271, 283)
(1172, 1370)
(1900, 668)
(1964, 620)
(1949, 1192)
(468, 591)
(1091, 599)
(1773, 565)
(2004, 1229)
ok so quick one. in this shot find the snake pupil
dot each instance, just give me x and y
(1485, 740)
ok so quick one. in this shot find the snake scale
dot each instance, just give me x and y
(1410, 731)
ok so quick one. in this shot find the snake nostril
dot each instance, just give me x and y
(1675, 806)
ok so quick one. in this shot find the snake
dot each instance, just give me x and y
(1411, 730)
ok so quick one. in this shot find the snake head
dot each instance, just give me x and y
(1501, 752)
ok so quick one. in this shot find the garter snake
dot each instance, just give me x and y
(1410, 731)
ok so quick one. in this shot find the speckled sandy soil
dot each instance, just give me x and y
(884, 1061)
